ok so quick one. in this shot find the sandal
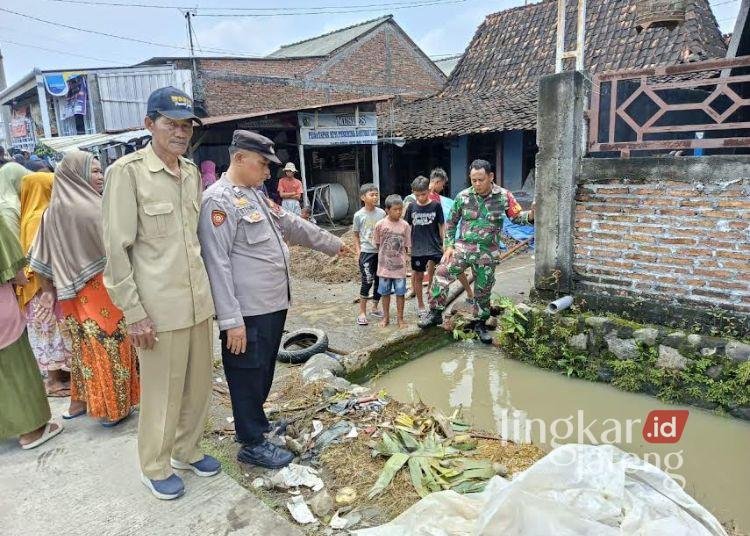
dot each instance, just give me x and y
(67, 415)
(362, 320)
(46, 435)
(110, 424)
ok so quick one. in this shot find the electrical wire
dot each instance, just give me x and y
(395, 5)
(114, 36)
(331, 12)
(11, 42)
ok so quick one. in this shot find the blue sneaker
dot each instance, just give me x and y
(167, 489)
(207, 466)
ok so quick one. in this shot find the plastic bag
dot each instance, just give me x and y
(576, 490)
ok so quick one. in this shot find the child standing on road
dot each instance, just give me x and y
(427, 231)
(392, 236)
(366, 251)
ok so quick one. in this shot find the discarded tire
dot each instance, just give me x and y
(311, 341)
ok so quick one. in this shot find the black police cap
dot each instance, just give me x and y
(252, 141)
(172, 103)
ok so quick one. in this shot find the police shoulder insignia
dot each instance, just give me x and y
(218, 217)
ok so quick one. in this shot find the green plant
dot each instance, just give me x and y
(511, 322)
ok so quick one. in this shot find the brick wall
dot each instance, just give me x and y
(675, 242)
(260, 67)
(385, 59)
(383, 62)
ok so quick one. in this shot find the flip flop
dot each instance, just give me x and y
(67, 415)
(59, 393)
(46, 435)
(111, 424)
(362, 320)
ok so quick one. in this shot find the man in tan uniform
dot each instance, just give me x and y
(155, 274)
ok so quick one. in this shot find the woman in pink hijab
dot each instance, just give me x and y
(208, 173)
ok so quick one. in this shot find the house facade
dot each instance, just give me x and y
(488, 107)
(372, 58)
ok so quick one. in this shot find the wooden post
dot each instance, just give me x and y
(301, 149)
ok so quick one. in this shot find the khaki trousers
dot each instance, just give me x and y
(175, 394)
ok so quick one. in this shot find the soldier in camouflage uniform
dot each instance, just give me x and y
(472, 240)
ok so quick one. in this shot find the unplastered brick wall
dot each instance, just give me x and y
(677, 242)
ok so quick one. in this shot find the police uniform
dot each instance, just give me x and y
(242, 235)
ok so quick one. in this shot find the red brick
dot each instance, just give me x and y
(696, 252)
(734, 204)
(607, 190)
(640, 257)
(679, 261)
(655, 249)
(717, 274)
(710, 294)
(621, 218)
(697, 203)
(728, 285)
(643, 190)
(683, 241)
(722, 214)
(677, 212)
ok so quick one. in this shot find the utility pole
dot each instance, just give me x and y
(189, 18)
(197, 93)
(4, 111)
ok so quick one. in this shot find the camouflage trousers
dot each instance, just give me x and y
(483, 266)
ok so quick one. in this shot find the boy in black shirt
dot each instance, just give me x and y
(427, 231)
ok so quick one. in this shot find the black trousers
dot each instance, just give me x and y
(250, 375)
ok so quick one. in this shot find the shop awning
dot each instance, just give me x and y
(64, 144)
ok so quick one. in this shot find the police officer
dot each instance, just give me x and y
(242, 235)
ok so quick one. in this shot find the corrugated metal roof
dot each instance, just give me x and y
(323, 45)
(238, 117)
(64, 144)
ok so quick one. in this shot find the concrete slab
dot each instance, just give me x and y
(86, 482)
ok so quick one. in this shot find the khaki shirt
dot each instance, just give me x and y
(154, 265)
(244, 240)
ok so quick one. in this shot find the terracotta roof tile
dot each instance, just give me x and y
(494, 84)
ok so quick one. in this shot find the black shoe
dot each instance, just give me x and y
(266, 455)
(432, 318)
(481, 330)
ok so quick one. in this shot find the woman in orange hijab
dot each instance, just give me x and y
(49, 340)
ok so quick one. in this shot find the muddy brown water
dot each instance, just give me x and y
(519, 401)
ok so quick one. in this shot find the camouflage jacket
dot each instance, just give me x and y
(476, 222)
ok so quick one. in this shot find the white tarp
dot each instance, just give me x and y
(338, 129)
(576, 490)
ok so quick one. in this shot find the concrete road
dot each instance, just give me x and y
(86, 482)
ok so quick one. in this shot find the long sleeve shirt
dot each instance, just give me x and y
(154, 264)
(476, 222)
(244, 240)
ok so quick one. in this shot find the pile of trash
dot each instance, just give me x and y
(321, 268)
(362, 458)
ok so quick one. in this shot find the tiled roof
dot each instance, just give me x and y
(323, 45)
(513, 49)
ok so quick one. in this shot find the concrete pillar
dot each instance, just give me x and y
(375, 166)
(459, 165)
(41, 92)
(561, 136)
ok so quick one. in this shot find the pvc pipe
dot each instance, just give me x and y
(560, 304)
